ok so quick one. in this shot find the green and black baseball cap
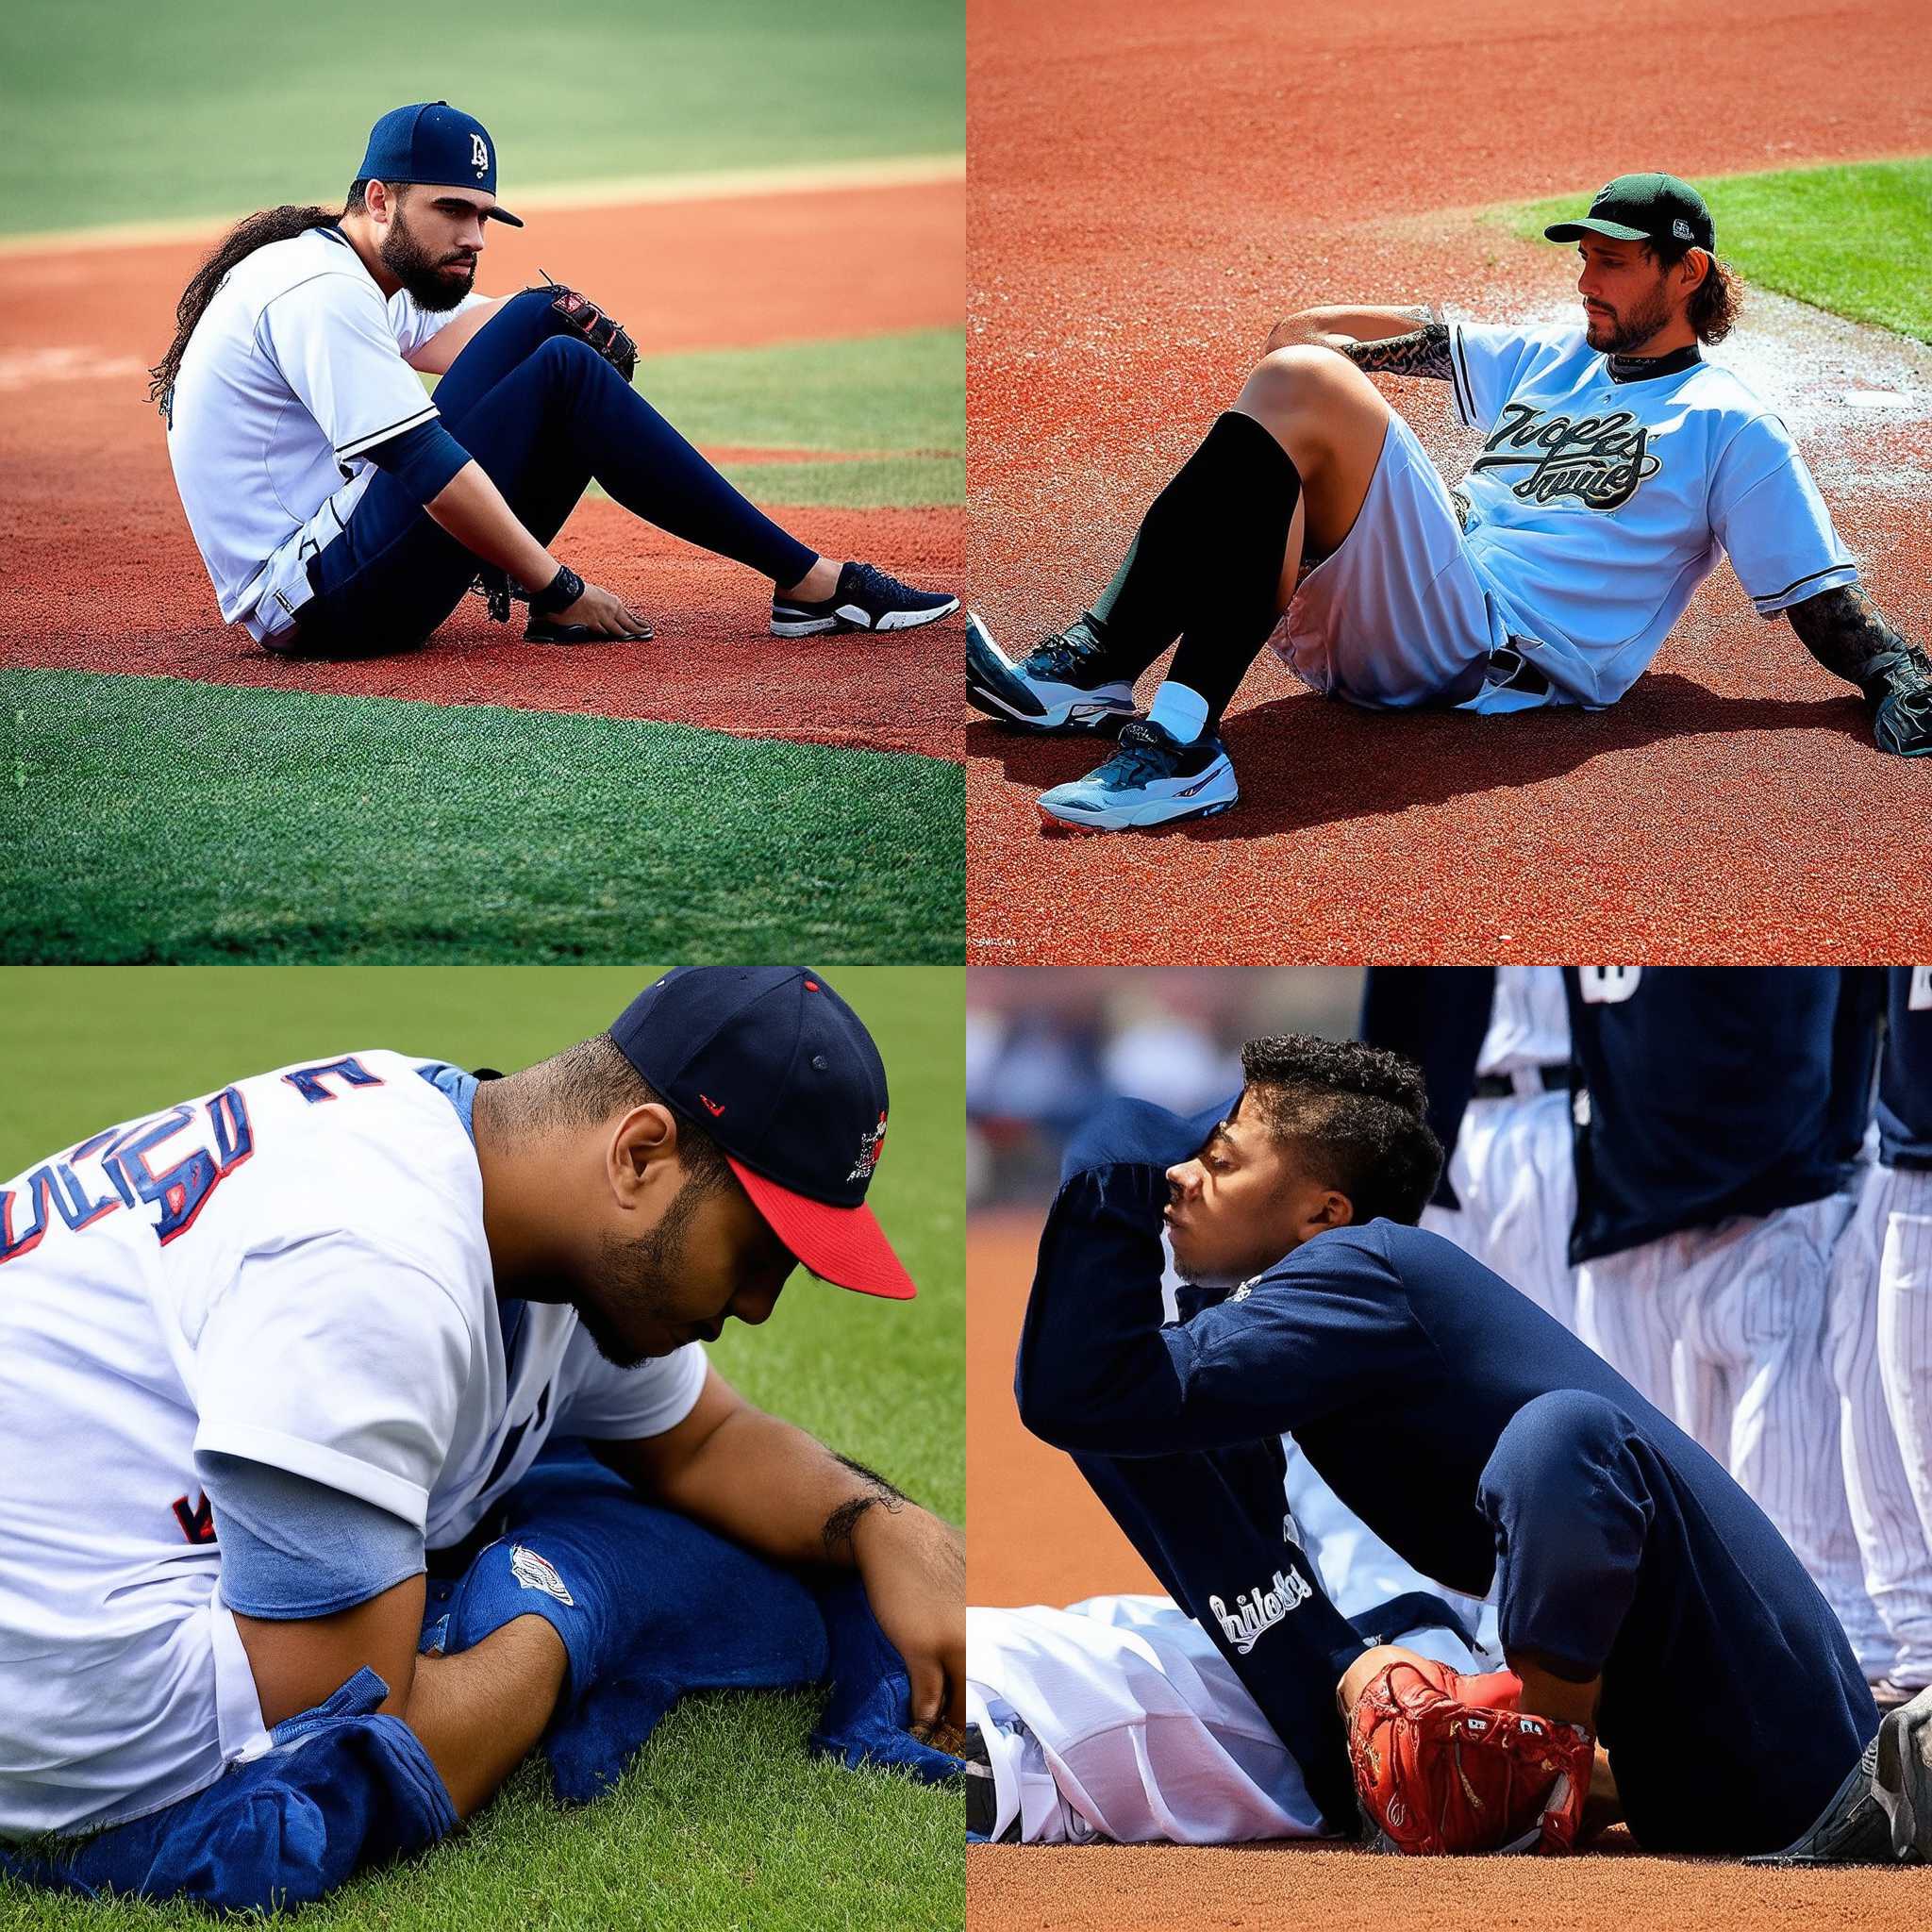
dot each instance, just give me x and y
(1644, 208)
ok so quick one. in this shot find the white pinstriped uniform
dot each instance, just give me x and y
(1513, 1166)
(1724, 1328)
(1881, 1358)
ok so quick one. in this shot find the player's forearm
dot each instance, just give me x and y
(1094, 1375)
(1409, 340)
(472, 509)
(768, 1485)
(480, 1713)
(1845, 632)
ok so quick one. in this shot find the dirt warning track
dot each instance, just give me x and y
(1151, 190)
(104, 576)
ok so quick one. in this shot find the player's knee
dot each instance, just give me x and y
(1290, 381)
(1565, 1436)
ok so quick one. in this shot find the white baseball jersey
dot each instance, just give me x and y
(1597, 507)
(292, 1269)
(294, 371)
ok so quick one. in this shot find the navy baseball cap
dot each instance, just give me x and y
(438, 145)
(782, 1073)
(1644, 208)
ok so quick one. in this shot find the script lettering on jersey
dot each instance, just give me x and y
(1256, 1612)
(1599, 459)
(127, 1158)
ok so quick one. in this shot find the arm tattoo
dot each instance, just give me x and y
(840, 1524)
(1423, 352)
(1844, 630)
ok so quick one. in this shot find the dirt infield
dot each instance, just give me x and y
(1036, 1534)
(98, 544)
(1151, 189)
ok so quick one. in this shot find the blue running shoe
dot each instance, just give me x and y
(1152, 779)
(1062, 685)
(866, 599)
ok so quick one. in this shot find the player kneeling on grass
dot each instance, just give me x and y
(268, 1358)
(1643, 1598)
(1616, 465)
(340, 511)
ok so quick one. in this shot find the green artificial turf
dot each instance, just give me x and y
(160, 819)
(122, 109)
(1853, 239)
(899, 399)
(722, 1822)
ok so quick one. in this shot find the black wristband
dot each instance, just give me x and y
(559, 593)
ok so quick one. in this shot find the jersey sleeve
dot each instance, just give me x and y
(333, 341)
(1487, 363)
(334, 1360)
(1315, 1335)
(1767, 513)
(613, 1404)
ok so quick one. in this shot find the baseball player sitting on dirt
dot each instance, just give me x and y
(340, 509)
(1616, 465)
(335, 1313)
(1642, 1597)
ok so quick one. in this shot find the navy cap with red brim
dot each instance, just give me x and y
(845, 1246)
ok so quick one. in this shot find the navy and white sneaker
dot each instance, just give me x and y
(866, 599)
(1152, 779)
(1061, 685)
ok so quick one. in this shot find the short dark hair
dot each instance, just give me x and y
(1716, 301)
(588, 1083)
(1358, 1113)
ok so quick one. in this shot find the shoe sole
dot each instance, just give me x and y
(1051, 822)
(850, 617)
(987, 666)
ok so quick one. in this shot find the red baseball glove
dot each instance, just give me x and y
(1447, 1763)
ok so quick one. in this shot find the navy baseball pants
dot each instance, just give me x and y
(544, 414)
(1730, 1712)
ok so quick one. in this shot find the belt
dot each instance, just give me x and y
(1557, 1076)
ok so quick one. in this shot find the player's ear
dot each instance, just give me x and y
(1333, 1210)
(640, 1152)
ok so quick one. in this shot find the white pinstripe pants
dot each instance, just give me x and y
(1881, 1330)
(1724, 1329)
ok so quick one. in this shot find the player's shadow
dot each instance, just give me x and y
(1304, 763)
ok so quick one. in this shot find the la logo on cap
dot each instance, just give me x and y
(479, 155)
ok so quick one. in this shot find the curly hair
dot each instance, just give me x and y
(1357, 1112)
(1716, 301)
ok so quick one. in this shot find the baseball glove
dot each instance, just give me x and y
(604, 333)
(1900, 686)
(1446, 1763)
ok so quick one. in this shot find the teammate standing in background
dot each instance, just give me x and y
(1618, 465)
(1880, 1330)
(1509, 1191)
(341, 510)
(1717, 1133)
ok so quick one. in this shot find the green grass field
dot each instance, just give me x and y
(1852, 240)
(414, 833)
(121, 110)
(723, 1822)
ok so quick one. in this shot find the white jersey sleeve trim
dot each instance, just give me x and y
(377, 436)
(1458, 380)
(349, 1473)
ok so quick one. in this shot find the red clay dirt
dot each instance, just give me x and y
(1037, 1535)
(1152, 187)
(106, 578)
